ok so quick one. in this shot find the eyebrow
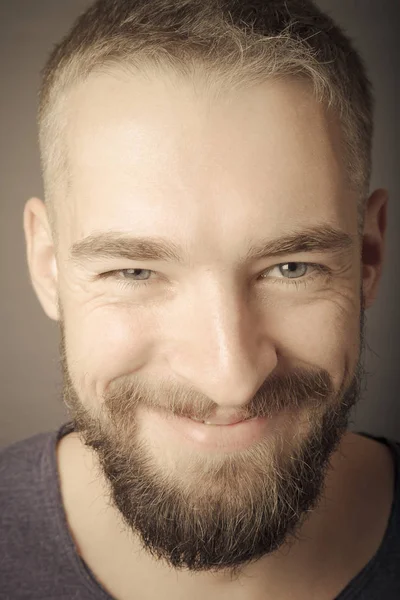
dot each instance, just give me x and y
(106, 245)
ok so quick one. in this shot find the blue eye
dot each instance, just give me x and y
(292, 268)
(124, 279)
(318, 271)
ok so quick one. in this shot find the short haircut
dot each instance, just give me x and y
(232, 43)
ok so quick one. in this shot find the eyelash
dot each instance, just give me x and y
(320, 271)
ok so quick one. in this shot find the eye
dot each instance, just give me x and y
(126, 280)
(291, 269)
(127, 277)
(295, 278)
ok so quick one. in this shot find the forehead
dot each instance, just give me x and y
(156, 142)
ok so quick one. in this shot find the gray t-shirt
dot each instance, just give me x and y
(38, 557)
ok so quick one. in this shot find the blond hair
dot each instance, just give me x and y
(233, 43)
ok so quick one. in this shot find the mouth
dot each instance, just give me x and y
(226, 422)
(206, 435)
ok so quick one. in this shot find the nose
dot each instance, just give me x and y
(222, 348)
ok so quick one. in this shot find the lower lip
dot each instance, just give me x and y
(213, 437)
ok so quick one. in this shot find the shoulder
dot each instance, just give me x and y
(24, 469)
(21, 457)
(373, 482)
(371, 459)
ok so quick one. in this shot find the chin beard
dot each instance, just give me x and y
(240, 508)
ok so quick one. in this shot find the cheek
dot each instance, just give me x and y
(107, 343)
(324, 333)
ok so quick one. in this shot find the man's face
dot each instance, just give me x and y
(271, 336)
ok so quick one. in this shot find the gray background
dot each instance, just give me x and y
(30, 382)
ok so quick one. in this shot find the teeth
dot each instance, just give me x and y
(201, 421)
(215, 424)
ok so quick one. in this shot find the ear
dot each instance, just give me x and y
(373, 244)
(41, 256)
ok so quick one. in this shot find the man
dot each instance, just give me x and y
(208, 245)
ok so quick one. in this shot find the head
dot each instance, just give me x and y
(208, 245)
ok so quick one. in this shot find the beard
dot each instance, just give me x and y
(216, 512)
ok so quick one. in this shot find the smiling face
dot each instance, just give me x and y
(210, 328)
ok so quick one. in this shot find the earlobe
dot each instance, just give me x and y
(41, 257)
(373, 244)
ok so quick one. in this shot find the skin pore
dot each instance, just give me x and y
(149, 513)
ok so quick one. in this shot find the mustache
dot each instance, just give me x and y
(279, 392)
